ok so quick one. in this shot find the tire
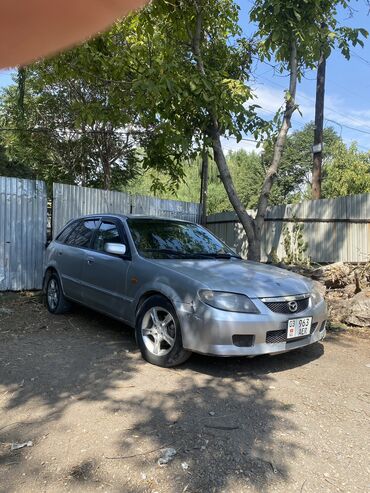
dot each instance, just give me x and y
(158, 333)
(55, 300)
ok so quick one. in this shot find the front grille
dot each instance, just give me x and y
(276, 336)
(283, 306)
(243, 340)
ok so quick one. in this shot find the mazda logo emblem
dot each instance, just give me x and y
(293, 306)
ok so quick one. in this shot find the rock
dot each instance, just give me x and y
(17, 446)
(359, 309)
(338, 309)
(168, 455)
(350, 290)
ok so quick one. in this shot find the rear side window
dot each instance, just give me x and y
(66, 231)
(107, 233)
(81, 235)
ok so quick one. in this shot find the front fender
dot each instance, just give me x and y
(52, 265)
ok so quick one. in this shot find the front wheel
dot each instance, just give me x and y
(158, 333)
(55, 300)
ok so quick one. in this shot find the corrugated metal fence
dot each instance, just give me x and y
(70, 201)
(22, 233)
(333, 229)
(23, 221)
(165, 208)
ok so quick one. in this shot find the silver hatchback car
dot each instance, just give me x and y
(181, 288)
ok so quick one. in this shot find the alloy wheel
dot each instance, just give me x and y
(53, 294)
(158, 329)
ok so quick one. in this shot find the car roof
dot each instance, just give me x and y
(134, 216)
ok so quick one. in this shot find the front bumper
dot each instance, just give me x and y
(211, 331)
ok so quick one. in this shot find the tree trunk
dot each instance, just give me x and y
(244, 217)
(107, 180)
(204, 186)
(319, 126)
(219, 156)
(271, 174)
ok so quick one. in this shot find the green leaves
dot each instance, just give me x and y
(311, 23)
(346, 172)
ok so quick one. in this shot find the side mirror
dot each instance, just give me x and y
(115, 248)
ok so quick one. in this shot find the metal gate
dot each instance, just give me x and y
(22, 233)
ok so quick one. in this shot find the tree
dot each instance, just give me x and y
(293, 180)
(62, 125)
(292, 32)
(12, 168)
(198, 81)
(177, 72)
(346, 172)
(342, 35)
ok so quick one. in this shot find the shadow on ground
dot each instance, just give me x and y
(61, 374)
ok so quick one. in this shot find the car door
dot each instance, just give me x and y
(104, 274)
(70, 255)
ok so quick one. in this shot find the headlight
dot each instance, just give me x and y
(316, 296)
(230, 302)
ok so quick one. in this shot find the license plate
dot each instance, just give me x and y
(299, 327)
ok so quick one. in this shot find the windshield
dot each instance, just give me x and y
(155, 238)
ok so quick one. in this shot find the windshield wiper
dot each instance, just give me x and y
(219, 255)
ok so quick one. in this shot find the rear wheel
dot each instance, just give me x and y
(55, 300)
(158, 333)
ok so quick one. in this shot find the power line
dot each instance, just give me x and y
(356, 55)
(367, 132)
(311, 100)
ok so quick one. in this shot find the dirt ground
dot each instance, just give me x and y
(99, 417)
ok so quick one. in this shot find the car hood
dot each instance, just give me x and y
(251, 278)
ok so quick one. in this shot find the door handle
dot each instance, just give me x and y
(90, 260)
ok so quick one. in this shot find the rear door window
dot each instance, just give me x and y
(82, 234)
(66, 232)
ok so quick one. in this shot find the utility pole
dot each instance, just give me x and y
(204, 186)
(21, 83)
(317, 148)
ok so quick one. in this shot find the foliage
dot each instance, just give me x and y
(172, 77)
(12, 168)
(247, 170)
(141, 76)
(347, 172)
(184, 92)
(65, 131)
(293, 180)
(312, 24)
(294, 245)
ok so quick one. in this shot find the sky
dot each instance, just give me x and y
(347, 94)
